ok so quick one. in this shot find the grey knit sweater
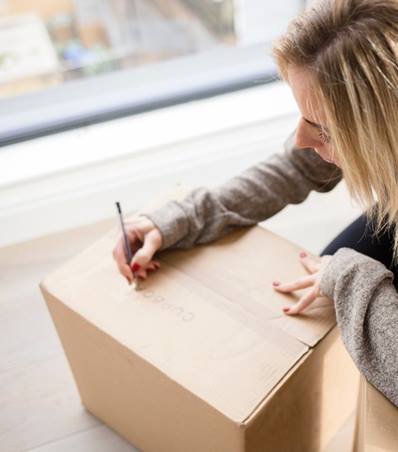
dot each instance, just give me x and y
(365, 298)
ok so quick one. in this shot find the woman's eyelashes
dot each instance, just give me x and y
(324, 136)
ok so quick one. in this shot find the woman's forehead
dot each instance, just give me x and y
(303, 85)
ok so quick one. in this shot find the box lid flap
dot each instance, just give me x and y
(242, 266)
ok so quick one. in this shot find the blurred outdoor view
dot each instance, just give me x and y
(49, 42)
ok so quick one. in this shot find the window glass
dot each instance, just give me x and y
(46, 45)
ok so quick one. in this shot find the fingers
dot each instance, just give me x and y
(151, 267)
(121, 261)
(310, 263)
(144, 243)
(127, 272)
(144, 255)
(301, 283)
(307, 299)
(303, 303)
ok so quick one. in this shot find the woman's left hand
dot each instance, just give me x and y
(315, 265)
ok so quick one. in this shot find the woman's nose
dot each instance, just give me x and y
(306, 138)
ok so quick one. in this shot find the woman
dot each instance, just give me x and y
(340, 59)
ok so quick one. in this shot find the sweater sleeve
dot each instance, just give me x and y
(256, 194)
(366, 304)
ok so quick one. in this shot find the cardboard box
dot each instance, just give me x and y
(202, 358)
(377, 421)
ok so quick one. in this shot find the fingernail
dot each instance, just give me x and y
(276, 283)
(303, 254)
(286, 310)
(136, 267)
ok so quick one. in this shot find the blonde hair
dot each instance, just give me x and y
(350, 48)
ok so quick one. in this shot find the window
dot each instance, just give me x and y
(69, 63)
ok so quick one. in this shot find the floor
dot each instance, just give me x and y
(40, 407)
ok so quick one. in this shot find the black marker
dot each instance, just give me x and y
(127, 249)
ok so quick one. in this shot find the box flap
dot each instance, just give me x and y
(209, 319)
(242, 266)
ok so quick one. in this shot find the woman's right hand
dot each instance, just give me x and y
(144, 239)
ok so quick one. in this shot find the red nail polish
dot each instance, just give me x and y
(303, 254)
(136, 267)
(276, 283)
(285, 310)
